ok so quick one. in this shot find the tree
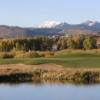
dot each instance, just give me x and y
(90, 43)
(46, 44)
(62, 44)
(78, 42)
(17, 45)
(70, 43)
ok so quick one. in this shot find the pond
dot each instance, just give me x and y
(49, 91)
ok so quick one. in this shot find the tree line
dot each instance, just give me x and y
(45, 44)
(78, 42)
(26, 44)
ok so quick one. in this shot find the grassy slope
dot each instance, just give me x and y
(66, 60)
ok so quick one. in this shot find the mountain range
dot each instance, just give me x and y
(63, 25)
(49, 28)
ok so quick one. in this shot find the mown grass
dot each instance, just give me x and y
(77, 60)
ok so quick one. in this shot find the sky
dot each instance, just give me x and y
(30, 13)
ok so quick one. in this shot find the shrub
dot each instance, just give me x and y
(41, 53)
(4, 55)
(66, 51)
(48, 53)
(78, 51)
(31, 54)
(20, 54)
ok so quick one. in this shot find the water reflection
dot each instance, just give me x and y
(58, 82)
(49, 90)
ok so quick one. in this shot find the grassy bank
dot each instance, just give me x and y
(77, 67)
(21, 73)
(77, 60)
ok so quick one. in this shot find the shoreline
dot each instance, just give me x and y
(21, 72)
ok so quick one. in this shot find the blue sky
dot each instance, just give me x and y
(29, 13)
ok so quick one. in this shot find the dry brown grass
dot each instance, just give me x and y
(23, 54)
(47, 53)
(34, 54)
(4, 55)
(69, 51)
(50, 71)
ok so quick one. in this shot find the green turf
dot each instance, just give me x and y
(78, 60)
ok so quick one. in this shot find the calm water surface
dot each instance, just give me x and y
(31, 91)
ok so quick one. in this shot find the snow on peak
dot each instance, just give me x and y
(89, 23)
(49, 24)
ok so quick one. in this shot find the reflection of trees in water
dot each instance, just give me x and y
(51, 82)
(45, 77)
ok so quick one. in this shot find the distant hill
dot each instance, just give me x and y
(49, 29)
(15, 32)
(73, 32)
(89, 25)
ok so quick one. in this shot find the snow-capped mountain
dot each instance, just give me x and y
(49, 24)
(90, 23)
(54, 24)
(63, 25)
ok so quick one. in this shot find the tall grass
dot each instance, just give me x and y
(69, 51)
(23, 54)
(35, 54)
(4, 55)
